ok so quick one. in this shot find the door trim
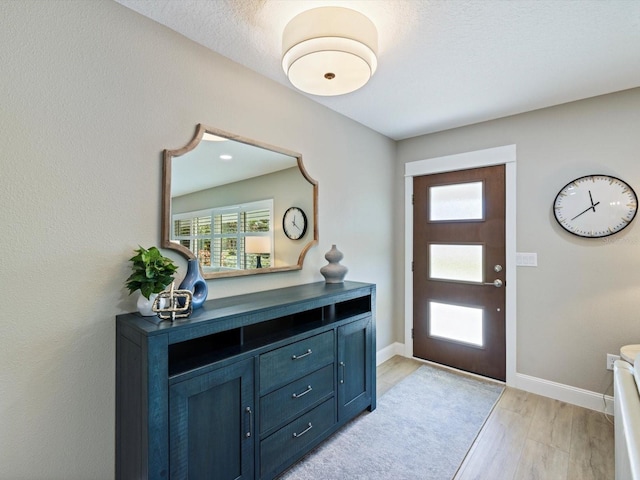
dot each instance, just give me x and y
(505, 155)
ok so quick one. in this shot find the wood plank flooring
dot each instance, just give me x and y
(528, 436)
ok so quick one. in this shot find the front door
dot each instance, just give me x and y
(459, 270)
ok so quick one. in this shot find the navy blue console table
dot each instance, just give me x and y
(246, 386)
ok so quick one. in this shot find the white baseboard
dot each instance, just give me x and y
(557, 391)
(565, 393)
(388, 352)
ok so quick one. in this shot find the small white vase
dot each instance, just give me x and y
(145, 305)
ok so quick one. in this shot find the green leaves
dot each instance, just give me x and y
(152, 271)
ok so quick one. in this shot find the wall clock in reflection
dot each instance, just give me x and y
(294, 223)
(595, 206)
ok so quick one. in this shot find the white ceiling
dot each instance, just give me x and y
(442, 63)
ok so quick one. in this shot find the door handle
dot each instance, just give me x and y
(496, 283)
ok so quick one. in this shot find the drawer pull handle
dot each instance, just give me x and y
(342, 365)
(297, 357)
(248, 410)
(298, 395)
(297, 435)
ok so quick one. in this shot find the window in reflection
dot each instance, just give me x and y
(193, 230)
(234, 237)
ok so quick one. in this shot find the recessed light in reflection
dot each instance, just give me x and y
(225, 157)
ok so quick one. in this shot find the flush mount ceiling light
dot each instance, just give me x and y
(329, 51)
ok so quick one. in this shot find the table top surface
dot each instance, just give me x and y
(226, 307)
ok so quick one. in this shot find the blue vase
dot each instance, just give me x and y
(195, 283)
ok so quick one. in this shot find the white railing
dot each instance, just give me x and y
(627, 420)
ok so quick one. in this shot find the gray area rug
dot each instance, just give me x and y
(421, 429)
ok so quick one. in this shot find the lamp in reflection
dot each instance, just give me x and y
(257, 246)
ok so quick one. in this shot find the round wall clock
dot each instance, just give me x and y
(294, 223)
(595, 206)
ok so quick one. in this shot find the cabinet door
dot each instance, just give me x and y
(355, 367)
(212, 425)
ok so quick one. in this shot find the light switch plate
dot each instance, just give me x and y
(526, 259)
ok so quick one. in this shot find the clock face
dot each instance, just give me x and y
(595, 206)
(294, 223)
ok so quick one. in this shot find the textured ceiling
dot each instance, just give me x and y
(442, 64)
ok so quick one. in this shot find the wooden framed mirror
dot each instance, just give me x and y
(224, 200)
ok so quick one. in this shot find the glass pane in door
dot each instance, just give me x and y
(461, 263)
(457, 323)
(462, 201)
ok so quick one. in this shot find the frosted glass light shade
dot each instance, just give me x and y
(329, 51)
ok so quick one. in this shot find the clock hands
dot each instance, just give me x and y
(592, 207)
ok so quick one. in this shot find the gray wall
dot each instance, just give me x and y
(90, 94)
(581, 302)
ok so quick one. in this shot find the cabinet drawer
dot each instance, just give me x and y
(295, 437)
(287, 402)
(291, 362)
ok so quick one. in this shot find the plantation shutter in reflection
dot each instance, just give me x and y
(257, 221)
(217, 236)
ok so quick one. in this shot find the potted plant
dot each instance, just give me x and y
(152, 273)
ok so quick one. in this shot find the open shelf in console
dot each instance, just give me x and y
(349, 308)
(270, 331)
(201, 351)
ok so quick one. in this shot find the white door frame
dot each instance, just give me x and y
(506, 156)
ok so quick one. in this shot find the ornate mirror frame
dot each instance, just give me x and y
(166, 225)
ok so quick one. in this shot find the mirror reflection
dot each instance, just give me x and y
(224, 201)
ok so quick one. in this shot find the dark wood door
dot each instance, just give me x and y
(212, 425)
(459, 270)
(355, 383)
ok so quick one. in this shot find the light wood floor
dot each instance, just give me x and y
(528, 436)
